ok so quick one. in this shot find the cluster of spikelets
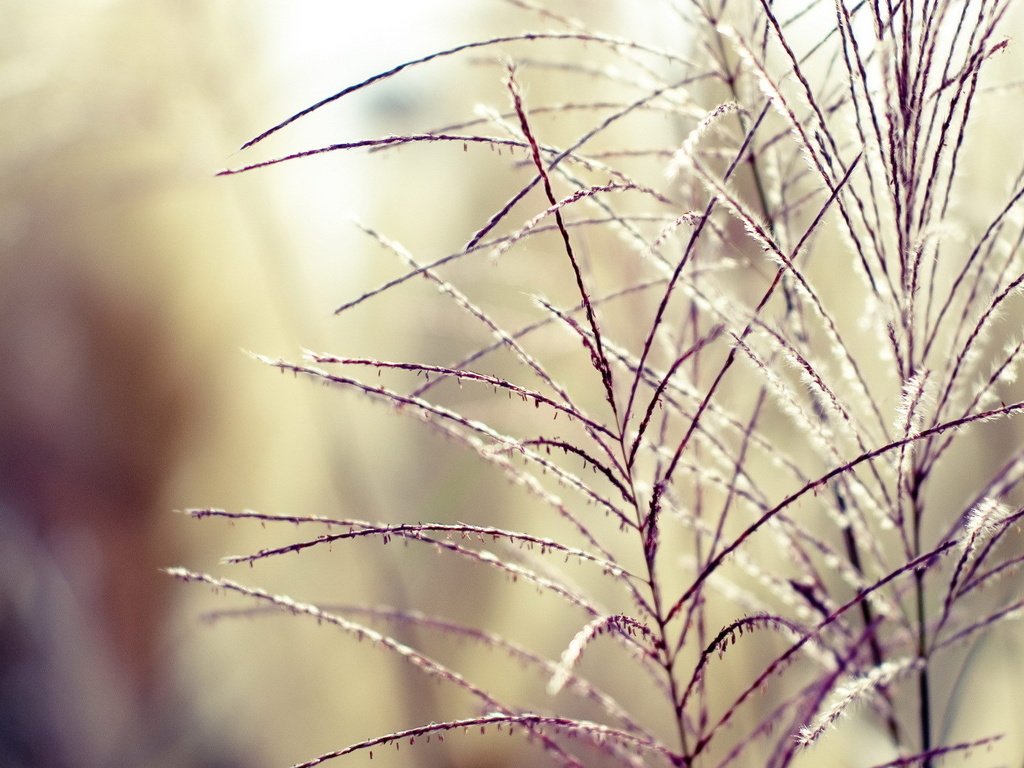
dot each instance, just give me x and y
(779, 354)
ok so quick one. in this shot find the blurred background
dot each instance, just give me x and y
(132, 282)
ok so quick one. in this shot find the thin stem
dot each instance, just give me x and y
(923, 686)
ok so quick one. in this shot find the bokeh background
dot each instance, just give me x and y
(131, 284)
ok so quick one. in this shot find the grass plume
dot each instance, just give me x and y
(750, 362)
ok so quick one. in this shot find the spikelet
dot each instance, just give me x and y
(983, 521)
(913, 404)
(684, 157)
(572, 654)
(851, 692)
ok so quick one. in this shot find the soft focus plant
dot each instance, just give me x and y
(742, 392)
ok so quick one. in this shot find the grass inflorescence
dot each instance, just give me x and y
(770, 340)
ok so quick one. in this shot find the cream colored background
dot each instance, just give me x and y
(130, 281)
